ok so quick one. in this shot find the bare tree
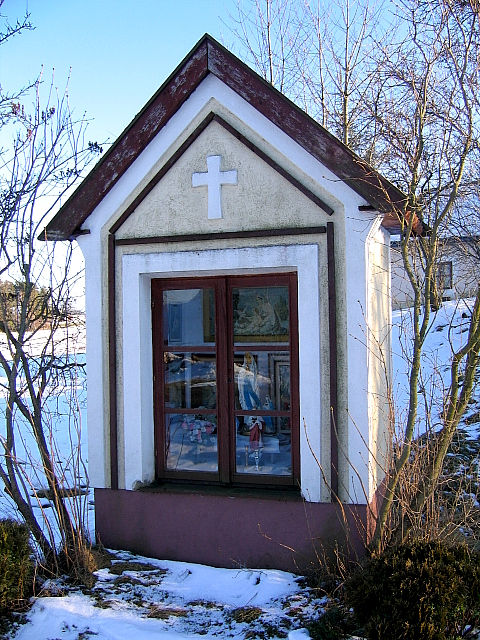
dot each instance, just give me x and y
(342, 39)
(320, 54)
(48, 155)
(268, 33)
(399, 83)
(429, 120)
(8, 32)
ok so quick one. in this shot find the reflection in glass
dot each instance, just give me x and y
(262, 380)
(188, 317)
(191, 442)
(260, 314)
(263, 446)
(190, 380)
(263, 441)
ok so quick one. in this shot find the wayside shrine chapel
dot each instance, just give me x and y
(237, 296)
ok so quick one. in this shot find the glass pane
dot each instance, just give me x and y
(189, 317)
(260, 314)
(262, 380)
(263, 446)
(191, 442)
(190, 380)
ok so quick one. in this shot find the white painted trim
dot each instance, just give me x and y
(98, 468)
(139, 269)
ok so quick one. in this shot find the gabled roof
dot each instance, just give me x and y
(208, 56)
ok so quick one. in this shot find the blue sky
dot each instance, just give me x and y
(119, 51)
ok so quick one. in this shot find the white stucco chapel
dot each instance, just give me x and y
(237, 291)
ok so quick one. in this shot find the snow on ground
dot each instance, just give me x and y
(448, 330)
(143, 598)
(71, 339)
(140, 597)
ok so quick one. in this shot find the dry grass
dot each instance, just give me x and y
(163, 613)
(246, 614)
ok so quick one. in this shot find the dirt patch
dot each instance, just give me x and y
(85, 635)
(163, 613)
(103, 604)
(127, 580)
(118, 568)
(205, 604)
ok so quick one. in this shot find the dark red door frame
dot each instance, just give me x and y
(224, 350)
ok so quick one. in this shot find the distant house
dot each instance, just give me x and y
(237, 291)
(457, 275)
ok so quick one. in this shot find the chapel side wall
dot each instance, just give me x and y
(344, 375)
(402, 292)
(366, 274)
(380, 359)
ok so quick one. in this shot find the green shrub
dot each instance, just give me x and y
(422, 591)
(334, 624)
(16, 565)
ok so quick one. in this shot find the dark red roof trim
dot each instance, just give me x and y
(208, 56)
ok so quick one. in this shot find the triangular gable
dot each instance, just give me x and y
(215, 118)
(208, 56)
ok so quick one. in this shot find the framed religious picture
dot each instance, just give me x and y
(260, 314)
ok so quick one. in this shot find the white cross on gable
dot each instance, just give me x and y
(213, 180)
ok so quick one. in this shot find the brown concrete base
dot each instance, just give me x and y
(225, 530)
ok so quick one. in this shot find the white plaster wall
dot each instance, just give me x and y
(379, 324)
(261, 199)
(138, 269)
(354, 451)
(351, 229)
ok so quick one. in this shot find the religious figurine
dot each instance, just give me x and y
(256, 439)
(248, 385)
(249, 400)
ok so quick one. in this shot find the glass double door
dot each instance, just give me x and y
(226, 378)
